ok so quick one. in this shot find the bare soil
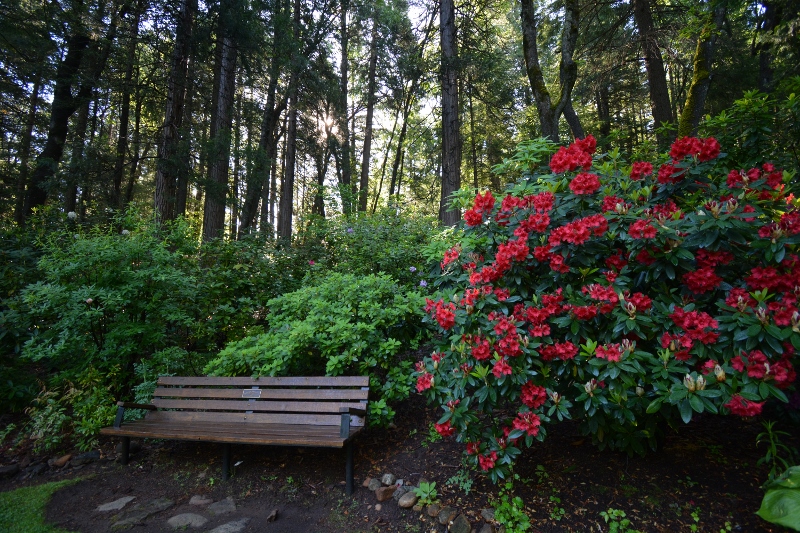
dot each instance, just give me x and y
(704, 479)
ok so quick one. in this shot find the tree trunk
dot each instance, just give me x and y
(125, 109)
(550, 113)
(184, 153)
(133, 171)
(602, 98)
(765, 71)
(656, 76)
(220, 131)
(451, 127)
(76, 166)
(701, 75)
(344, 123)
(25, 151)
(363, 190)
(472, 144)
(167, 171)
(237, 147)
(287, 183)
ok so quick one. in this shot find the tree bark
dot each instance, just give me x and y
(286, 202)
(76, 169)
(220, 131)
(451, 124)
(347, 190)
(656, 76)
(548, 111)
(167, 171)
(701, 75)
(363, 189)
(25, 151)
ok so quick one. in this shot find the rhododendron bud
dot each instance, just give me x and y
(719, 373)
(525, 340)
(555, 397)
(631, 309)
(89, 301)
(627, 345)
(688, 382)
(700, 383)
(796, 322)
(639, 391)
(762, 316)
(732, 204)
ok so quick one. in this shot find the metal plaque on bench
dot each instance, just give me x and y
(250, 393)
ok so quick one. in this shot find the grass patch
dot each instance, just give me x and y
(22, 510)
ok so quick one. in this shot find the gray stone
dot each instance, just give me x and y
(385, 493)
(487, 514)
(417, 508)
(409, 499)
(487, 528)
(374, 484)
(388, 479)
(35, 470)
(460, 525)
(366, 482)
(187, 520)
(223, 506)
(197, 499)
(140, 512)
(8, 471)
(116, 505)
(378, 507)
(85, 458)
(446, 515)
(231, 527)
(400, 492)
(433, 510)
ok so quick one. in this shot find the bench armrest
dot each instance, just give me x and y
(121, 406)
(346, 412)
(353, 410)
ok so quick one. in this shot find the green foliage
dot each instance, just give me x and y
(624, 301)
(781, 503)
(509, 510)
(617, 521)
(779, 456)
(23, 510)
(426, 492)
(343, 325)
(462, 480)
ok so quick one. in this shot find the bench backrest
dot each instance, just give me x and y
(266, 400)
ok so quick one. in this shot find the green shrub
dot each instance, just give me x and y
(345, 325)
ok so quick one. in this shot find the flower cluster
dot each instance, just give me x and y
(482, 206)
(577, 155)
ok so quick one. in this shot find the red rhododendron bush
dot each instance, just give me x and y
(625, 296)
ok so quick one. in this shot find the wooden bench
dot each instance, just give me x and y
(290, 411)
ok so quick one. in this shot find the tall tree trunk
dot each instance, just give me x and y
(363, 191)
(656, 76)
(451, 124)
(237, 147)
(167, 170)
(385, 160)
(125, 108)
(70, 78)
(184, 154)
(268, 141)
(472, 143)
(133, 171)
(602, 98)
(287, 182)
(548, 111)
(220, 131)
(76, 166)
(347, 192)
(25, 151)
(701, 75)
(772, 15)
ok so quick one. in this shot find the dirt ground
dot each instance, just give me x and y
(705, 479)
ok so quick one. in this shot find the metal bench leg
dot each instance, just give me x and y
(348, 470)
(126, 448)
(226, 461)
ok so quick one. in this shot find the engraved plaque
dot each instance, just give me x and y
(251, 393)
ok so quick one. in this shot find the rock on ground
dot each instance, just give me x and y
(223, 506)
(231, 527)
(116, 505)
(185, 520)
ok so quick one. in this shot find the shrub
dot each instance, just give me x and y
(344, 325)
(625, 296)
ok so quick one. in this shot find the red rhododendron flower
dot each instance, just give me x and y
(696, 324)
(472, 217)
(445, 430)
(473, 448)
(486, 462)
(641, 302)
(610, 203)
(542, 202)
(587, 145)
(645, 257)
(533, 395)
(670, 174)
(528, 422)
(642, 229)
(685, 146)
(559, 350)
(585, 183)
(710, 149)
(509, 346)
(706, 258)
(616, 261)
(450, 256)
(742, 407)
(424, 382)
(481, 350)
(641, 169)
(501, 368)
(610, 352)
(584, 312)
(702, 280)
(740, 299)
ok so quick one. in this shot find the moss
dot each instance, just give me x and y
(22, 510)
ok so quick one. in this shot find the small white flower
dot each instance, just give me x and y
(126, 232)
(72, 215)
(412, 269)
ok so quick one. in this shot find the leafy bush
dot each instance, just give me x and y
(625, 296)
(345, 325)
(781, 503)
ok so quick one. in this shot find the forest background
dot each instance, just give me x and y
(180, 181)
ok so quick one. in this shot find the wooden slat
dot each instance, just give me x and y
(254, 434)
(266, 394)
(255, 405)
(188, 417)
(266, 381)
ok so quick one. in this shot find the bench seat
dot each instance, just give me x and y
(296, 411)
